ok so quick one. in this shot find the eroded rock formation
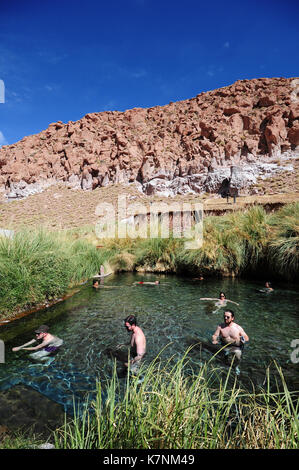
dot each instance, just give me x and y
(186, 146)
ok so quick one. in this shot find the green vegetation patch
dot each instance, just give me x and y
(40, 266)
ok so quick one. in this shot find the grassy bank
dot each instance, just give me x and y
(38, 267)
(173, 408)
(236, 244)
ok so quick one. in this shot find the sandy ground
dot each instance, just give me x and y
(61, 208)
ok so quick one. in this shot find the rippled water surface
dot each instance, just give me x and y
(170, 314)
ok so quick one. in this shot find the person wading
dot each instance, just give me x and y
(232, 335)
(138, 341)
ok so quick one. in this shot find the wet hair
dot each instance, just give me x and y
(222, 293)
(230, 311)
(94, 282)
(131, 319)
(269, 283)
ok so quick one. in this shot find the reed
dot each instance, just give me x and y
(235, 244)
(37, 267)
(283, 248)
(232, 244)
(171, 407)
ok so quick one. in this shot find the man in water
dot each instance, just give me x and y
(268, 286)
(138, 341)
(50, 344)
(231, 334)
(100, 285)
(200, 278)
(141, 283)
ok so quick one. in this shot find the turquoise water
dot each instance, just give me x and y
(171, 316)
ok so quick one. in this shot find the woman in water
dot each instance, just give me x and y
(221, 302)
(268, 288)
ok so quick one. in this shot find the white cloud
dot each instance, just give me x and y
(109, 106)
(3, 141)
(138, 74)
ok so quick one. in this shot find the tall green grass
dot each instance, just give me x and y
(232, 244)
(170, 407)
(283, 248)
(235, 244)
(39, 266)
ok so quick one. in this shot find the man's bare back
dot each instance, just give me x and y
(138, 341)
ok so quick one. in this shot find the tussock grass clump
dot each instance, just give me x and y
(232, 244)
(283, 249)
(39, 266)
(153, 251)
(171, 407)
(123, 261)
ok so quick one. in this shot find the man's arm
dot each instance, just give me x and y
(39, 346)
(232, 302)
(17, 348)
(242, 333)
(216, 335)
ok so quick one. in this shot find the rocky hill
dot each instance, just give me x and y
(184, 147)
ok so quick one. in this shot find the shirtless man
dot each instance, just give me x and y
(138, 341)
(141, 283)
(268, 286)
(100, 285)
(49, 345)
(232, 334)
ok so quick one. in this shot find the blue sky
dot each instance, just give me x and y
(60, 60)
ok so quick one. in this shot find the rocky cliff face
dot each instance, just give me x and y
(186, 146)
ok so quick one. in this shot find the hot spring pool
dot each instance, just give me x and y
(169, 314)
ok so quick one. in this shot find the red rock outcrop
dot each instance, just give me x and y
(248, 121)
